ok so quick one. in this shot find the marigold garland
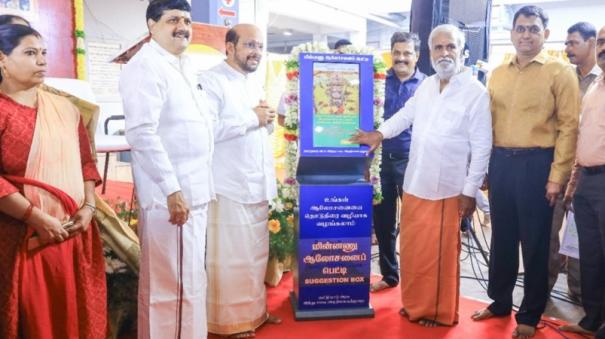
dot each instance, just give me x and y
(79, 36)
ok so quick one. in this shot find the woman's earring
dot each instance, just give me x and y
(4, 73)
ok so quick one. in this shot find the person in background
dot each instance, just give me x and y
(340, 45)
(401, 83)
(580, 49)
(587, 190)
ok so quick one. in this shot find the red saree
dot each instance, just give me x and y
(57, 291)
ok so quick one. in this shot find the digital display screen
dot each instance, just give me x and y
(336, 103)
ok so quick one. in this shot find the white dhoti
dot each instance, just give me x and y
(172, 279)
(237, 254)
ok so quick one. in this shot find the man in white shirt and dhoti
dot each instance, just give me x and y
(238, 238)
(448, 161)
(170, 132)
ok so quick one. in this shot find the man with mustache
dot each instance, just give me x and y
(401, 83)
(535, 107)
(170, 131)
(448, 160)
(589, 202)
(580, 49)
(238, 238)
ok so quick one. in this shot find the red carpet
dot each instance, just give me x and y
(387, 323)
(116, 191)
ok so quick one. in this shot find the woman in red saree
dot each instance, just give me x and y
(56, 290)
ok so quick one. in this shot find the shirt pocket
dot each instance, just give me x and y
(531, 96)
(450, 120)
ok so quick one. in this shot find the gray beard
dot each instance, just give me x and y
(446, 73)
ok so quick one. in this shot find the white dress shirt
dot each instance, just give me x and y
(243, 158)
(168, 127)
(452, 137)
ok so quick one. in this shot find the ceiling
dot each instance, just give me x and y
(292, 22)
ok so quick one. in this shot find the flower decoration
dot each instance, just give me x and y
(380, 71)
(281, 226)
(79, 37)
(274, 226)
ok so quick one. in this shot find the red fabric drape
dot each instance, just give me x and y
(68, 286)
(62, 290)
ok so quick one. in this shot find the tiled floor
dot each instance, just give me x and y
(473, 266)
(559, 305)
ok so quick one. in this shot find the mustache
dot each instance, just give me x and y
(183, 33)
(445, 60)
(256, 57)
(401, 62)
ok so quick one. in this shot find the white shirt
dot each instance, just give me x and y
(452, 137)
(243, 158)
(168, 127)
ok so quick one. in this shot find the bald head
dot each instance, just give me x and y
(244, 44)
(600, 51)
(246, 29)
(234, 33)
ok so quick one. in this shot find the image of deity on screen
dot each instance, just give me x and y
(335, 103)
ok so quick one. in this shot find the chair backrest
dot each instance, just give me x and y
(109, 109)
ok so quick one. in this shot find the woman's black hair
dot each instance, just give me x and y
(7, 19)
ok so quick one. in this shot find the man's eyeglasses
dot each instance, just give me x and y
(253, 45)
(533, 29)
